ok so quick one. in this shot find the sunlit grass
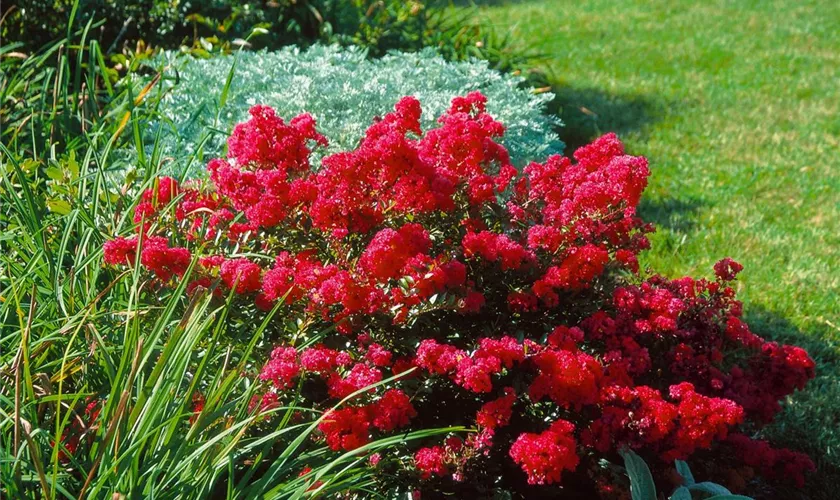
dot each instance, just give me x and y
(736, 106)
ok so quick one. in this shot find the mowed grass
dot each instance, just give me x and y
(737, 107)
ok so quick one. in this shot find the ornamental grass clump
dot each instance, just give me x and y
(508, 301)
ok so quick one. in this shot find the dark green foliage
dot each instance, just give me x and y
(208, 26)
(37, 22)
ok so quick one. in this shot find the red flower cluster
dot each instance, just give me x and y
(79, 428)
(505, 300)
(701, 420)
(350, 428)
(474, 372)
(545, 456)
(569, 378)
(430, 461)
(346, 428)
(497, 413)
(120, 251)
(267, 142)
(282, 368)
(390, 250)
(771, 462)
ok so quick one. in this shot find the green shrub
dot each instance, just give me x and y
(343, 90)
(170, 23)
(207, 26)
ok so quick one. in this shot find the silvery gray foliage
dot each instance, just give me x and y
(343, 90)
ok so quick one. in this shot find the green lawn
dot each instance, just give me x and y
(737, 107)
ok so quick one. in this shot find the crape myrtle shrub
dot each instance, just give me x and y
(509, 302)
(343, 90)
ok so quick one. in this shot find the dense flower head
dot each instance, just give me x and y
(390, 250)
(569, 378)
(507, 349)
(320, 359)
(493, 247)
(282, 368)
(438, 358)
(475, 374)
(701, 419)
(393, 410)
(727, 269)
(378, 355)
(161, 259)
(500, 298)
(120, 251)
(563, 337)
(346, 429)
(279, 282)
(266, 140)
(497, 413)
(544, 457)
(652, 309)
(430, 461)
(241, 275)
(359, 377)
(634, 417)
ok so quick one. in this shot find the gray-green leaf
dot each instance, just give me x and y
(709, 487)
(681, 493)
(641, 480)
(684, 471)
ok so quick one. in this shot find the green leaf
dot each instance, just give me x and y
(201, 53)
(73, 166)
(107, 196)
(55, 173)
(641, 481)
(681, 493)
(684, 471)
(709, 487)
(60, 207)
(29, 165)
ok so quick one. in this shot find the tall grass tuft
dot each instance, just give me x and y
(100, 371)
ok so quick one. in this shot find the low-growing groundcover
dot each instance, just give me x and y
(342, 89)
(505, 302)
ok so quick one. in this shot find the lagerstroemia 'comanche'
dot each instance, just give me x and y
(510, 300)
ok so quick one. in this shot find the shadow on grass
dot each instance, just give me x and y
(590, 112)
(676, 215)
(821, 343)
(810, 419)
